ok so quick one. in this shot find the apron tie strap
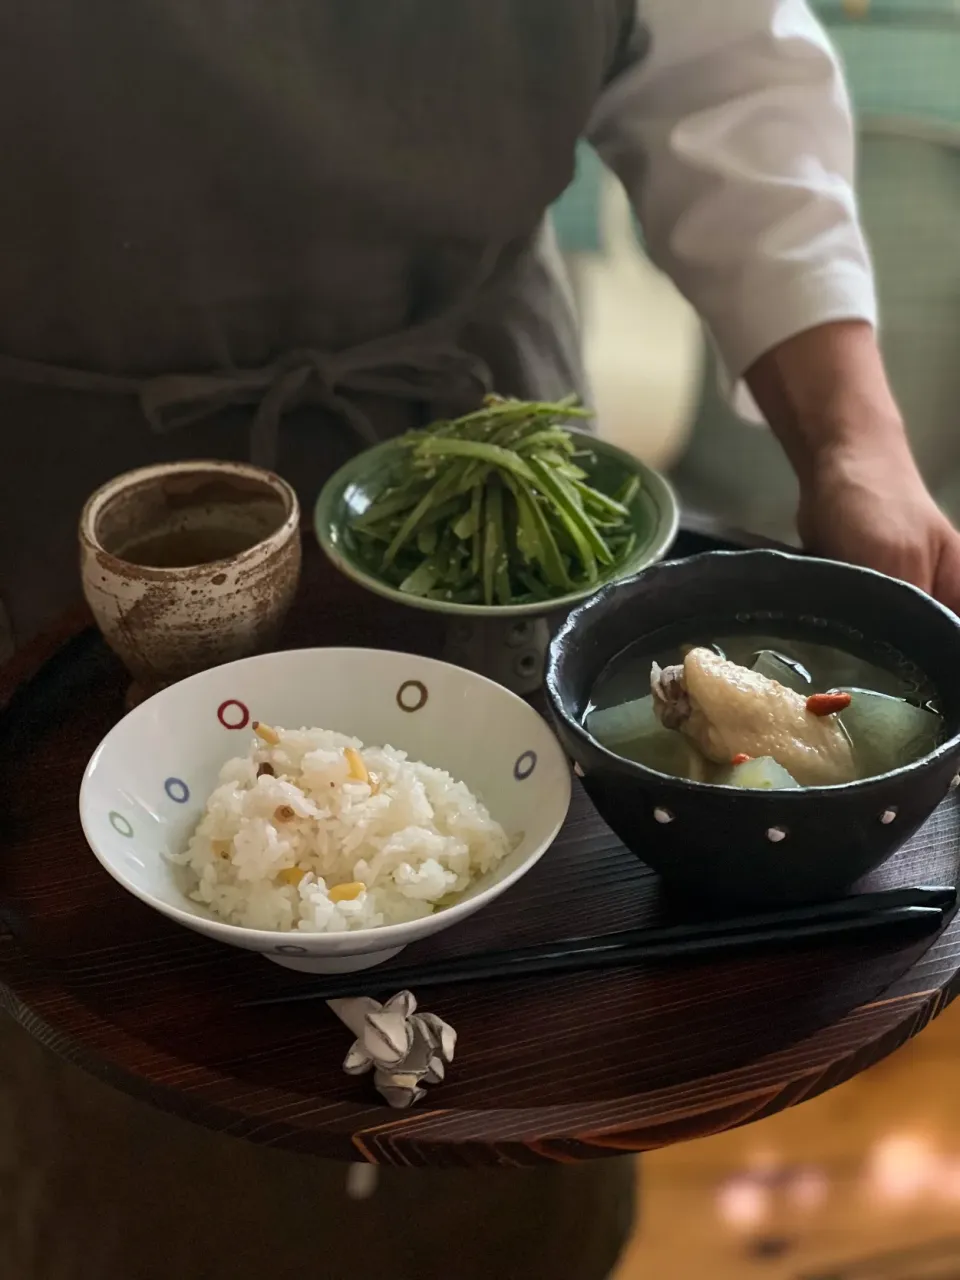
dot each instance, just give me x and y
(405, 370)
(423, 363)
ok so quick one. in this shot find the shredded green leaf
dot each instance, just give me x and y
(499, 507)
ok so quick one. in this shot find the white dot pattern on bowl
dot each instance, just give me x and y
(776, 834)
(888, 816)
(663, 816)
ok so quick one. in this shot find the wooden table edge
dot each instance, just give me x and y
(390, 1137)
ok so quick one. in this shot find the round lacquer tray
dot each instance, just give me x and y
(546, 1069)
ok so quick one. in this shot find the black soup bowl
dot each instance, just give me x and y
(755, 848)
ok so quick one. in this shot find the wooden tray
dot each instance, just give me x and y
(559, 1069)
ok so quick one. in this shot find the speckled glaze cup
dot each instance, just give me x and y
(167, 618)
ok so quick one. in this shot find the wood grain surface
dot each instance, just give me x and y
(546, 1070)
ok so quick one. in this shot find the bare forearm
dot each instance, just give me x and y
(826, 396)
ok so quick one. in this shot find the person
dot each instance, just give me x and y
(285, 229)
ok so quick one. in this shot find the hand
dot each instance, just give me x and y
(825, 394)
(872, 508)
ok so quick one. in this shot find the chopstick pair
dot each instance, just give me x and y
(920, 907)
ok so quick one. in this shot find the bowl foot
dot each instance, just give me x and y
(334, 964)
(511, 651)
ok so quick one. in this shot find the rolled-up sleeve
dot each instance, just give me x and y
(731, 131)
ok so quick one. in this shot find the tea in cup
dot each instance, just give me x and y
(188, 565)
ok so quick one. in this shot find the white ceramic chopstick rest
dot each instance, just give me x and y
(405, 1049)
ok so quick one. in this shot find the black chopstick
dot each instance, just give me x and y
(916, 907)
(492, 965)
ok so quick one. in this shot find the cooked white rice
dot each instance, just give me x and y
(311, 846)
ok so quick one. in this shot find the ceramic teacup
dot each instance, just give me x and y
(190, 564)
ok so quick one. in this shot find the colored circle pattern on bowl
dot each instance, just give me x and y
(146, 786)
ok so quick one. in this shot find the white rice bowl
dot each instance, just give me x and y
(293, 839)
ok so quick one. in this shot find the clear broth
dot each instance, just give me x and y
(877, 669)
(628, 674)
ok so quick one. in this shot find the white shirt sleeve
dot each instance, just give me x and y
(733, 137)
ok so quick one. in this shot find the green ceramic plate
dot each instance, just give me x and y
(654, 513)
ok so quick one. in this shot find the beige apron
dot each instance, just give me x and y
(278, 228)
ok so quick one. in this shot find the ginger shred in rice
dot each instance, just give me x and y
(317, 833)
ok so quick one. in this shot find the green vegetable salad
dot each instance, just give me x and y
(496, 508)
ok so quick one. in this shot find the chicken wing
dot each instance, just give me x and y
(728, 711)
